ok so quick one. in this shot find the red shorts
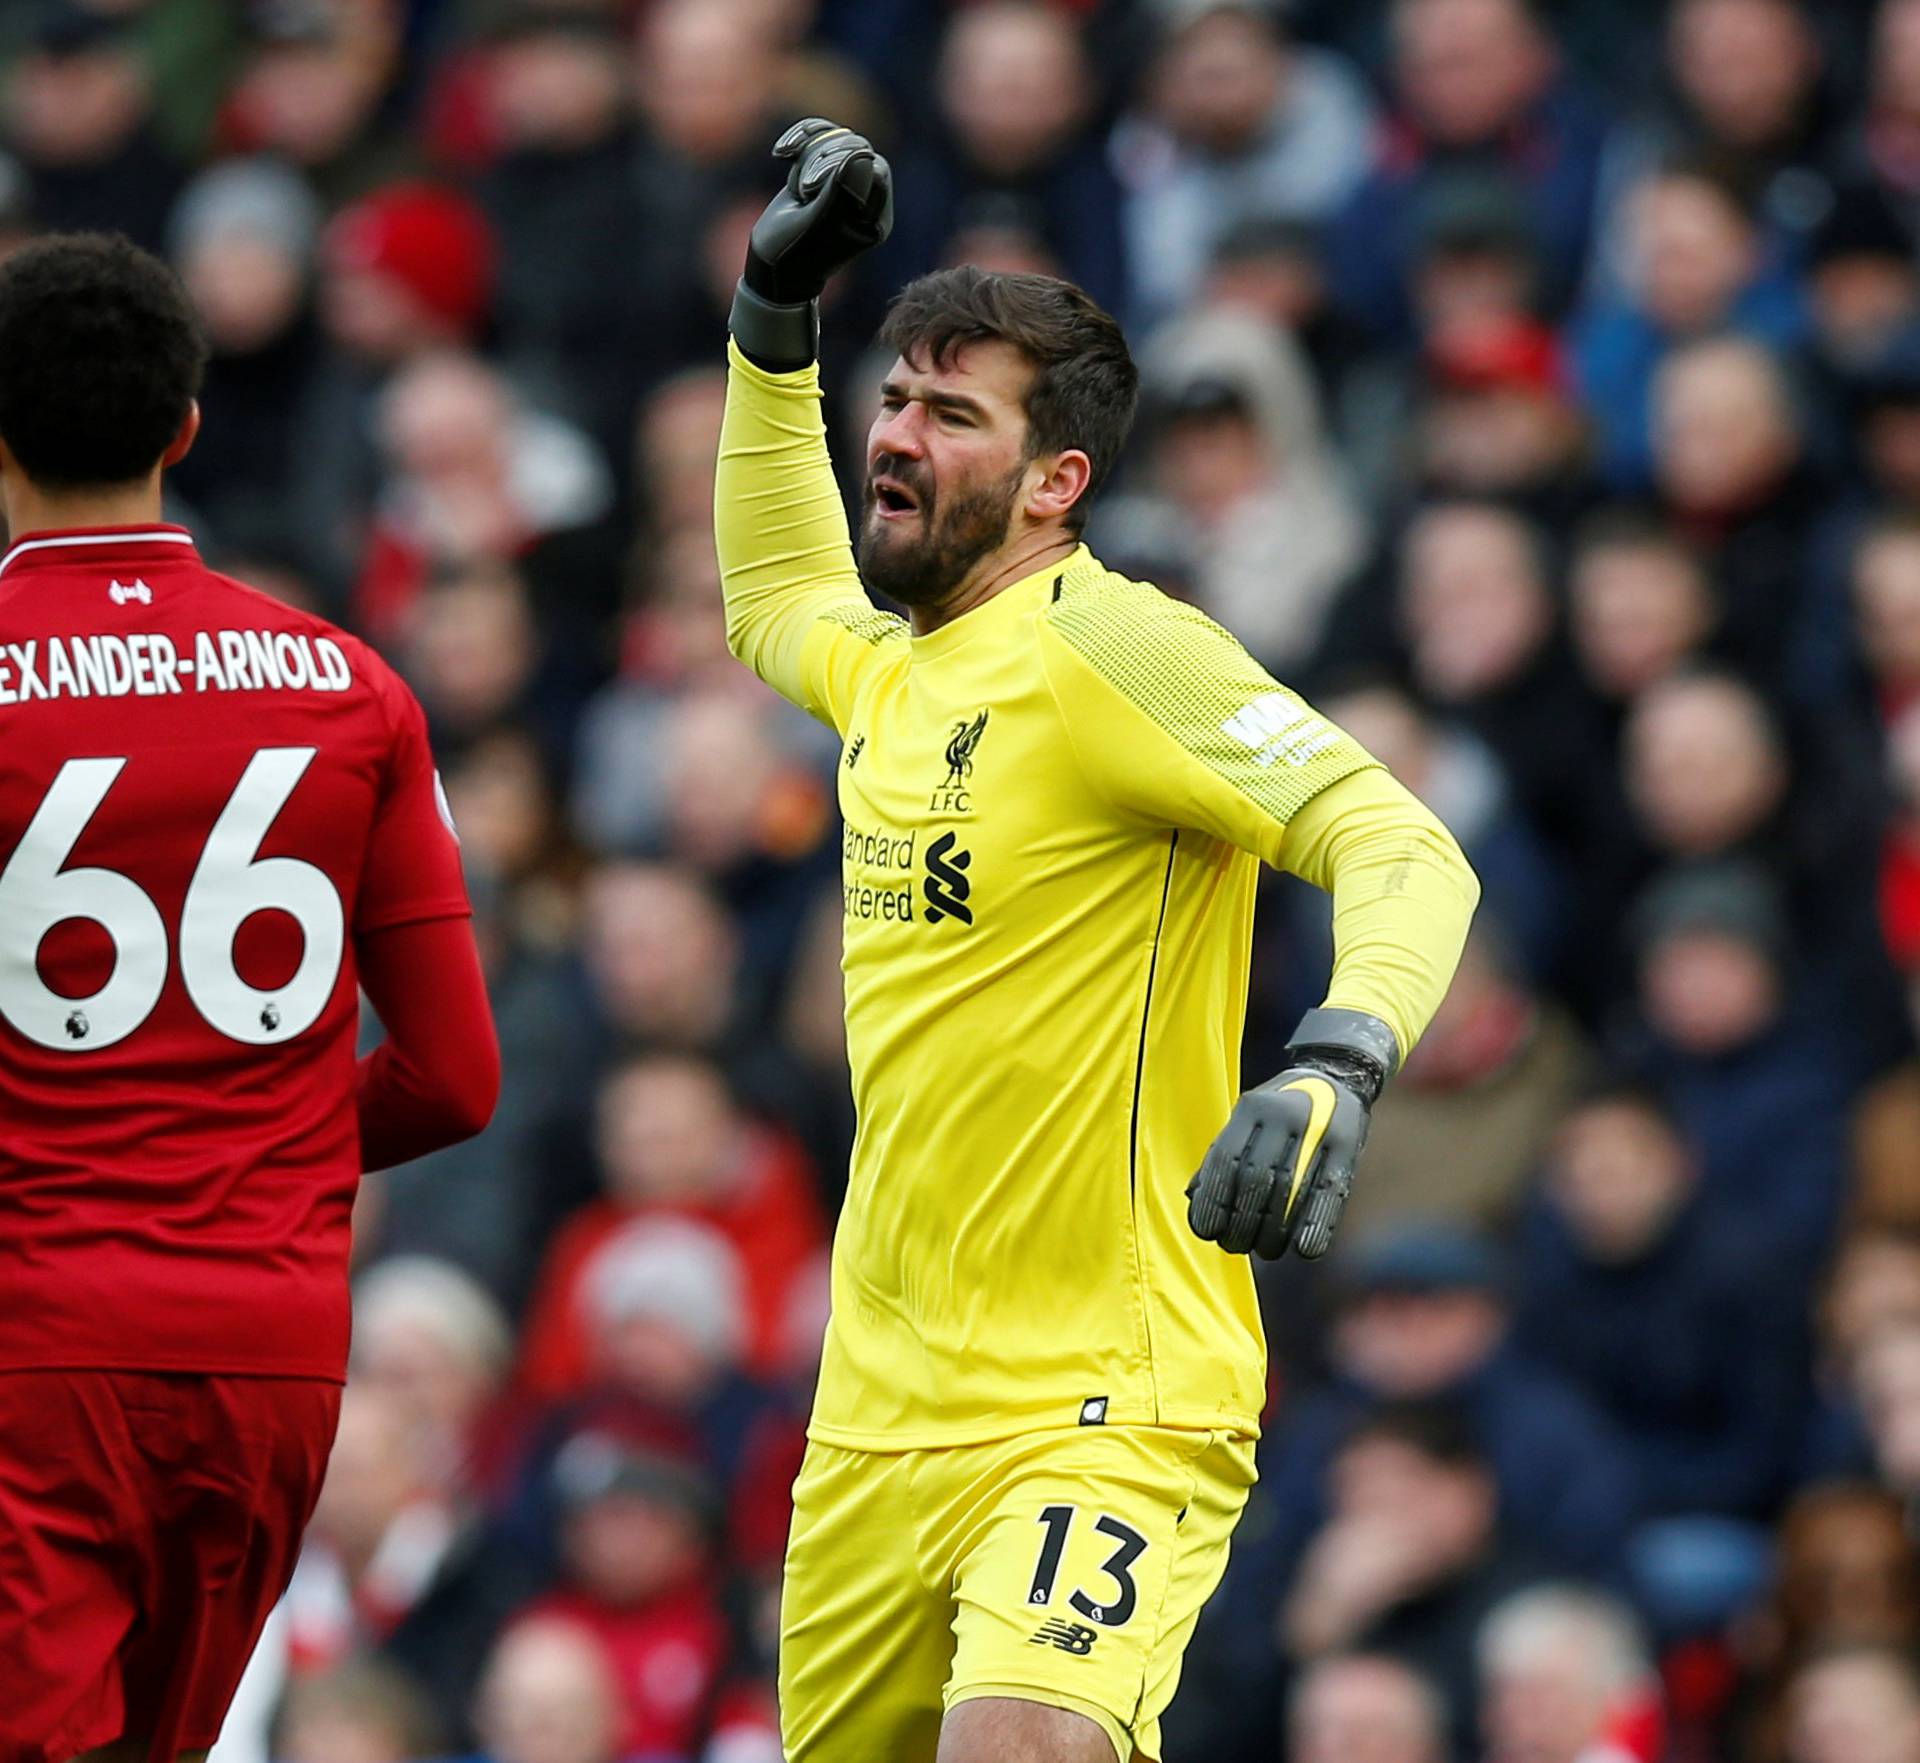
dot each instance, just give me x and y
(148, 1525)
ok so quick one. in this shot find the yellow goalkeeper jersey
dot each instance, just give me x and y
(1055, 808)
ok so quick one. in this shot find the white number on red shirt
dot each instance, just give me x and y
(230, 883)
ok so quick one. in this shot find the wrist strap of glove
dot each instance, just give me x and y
(1358, 1050)
(773, 336)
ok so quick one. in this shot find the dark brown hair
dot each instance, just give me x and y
(1084, 386)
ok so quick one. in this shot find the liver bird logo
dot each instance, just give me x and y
(960, 749)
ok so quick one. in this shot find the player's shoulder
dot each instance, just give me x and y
(1122, 626)
(239, 602)
(862, 619)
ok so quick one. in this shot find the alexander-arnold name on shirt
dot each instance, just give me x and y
(148, 664)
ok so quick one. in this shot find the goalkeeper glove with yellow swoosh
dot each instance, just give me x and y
(1279, 1173)
(838, 202)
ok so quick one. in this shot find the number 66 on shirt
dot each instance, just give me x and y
(230, 883)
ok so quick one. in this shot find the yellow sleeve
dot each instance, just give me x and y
(1403, 895)
(796, 613)
(1173, 721)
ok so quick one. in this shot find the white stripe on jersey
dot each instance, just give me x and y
(94, 539)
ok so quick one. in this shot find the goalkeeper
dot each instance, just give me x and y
(1034, 1426)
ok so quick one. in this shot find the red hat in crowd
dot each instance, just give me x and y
(1515, 355)
(431, 240)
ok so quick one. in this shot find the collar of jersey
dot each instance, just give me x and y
(34, 550)
(1010, 603)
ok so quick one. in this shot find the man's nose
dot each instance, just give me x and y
(904, 432)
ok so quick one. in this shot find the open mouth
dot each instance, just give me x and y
(892, 499)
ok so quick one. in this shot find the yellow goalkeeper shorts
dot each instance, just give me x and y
(1064, 1567)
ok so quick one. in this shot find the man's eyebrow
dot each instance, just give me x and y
(938, 400)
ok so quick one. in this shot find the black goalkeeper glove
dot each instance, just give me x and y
(1279, 1173)
(838, 202)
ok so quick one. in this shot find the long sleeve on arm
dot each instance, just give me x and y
(435, 1078)
(796, 613)
(1403, 895)
(1174, 721)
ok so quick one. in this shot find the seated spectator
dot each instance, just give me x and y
(1419, 1315)
(1238, 453)
(673, 1143)
(1482, 644)
(395, 1564)
(1665, 1310)
(242, 237)
(1709, 776)
(1732, 470)
(471, 650)
(1695, 266)
(1372, 1706)
(1884, 132)
(677, 438)
(1465, 1122)
(661, 956)
(1747, 86)
(1409, 1560)
(1274, 271)
(1014, 107)
(1886, 1376)
(405, 272)
(1475, 83)
(548, 1694)
(1640, 605)
(472, 476)
(1886, 610)
(578, 329)
(1566, 1678)
(1237, 123)
(1863, 287)
(1521, 888)
(1855, 1705)
(1847, 1574)
(431, 1337)
(78, 116)
(362, 1712)
(665, 1301)
(1871, 1286)
(1754, 1081)
(311, 92)
(637, 1520)
(1500, 419)
(674, 650)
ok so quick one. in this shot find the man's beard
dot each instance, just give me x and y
(920, 563)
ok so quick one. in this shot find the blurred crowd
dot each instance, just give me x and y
(1535, 385)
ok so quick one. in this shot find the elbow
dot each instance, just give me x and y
(473, 1106)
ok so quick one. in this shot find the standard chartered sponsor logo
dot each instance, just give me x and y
(882, 898)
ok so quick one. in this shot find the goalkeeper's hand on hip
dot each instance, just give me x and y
(1279, 1174)
(838, 202)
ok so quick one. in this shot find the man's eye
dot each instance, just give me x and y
(957, 419)
(891, 405)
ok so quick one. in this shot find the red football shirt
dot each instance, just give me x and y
(205, 798)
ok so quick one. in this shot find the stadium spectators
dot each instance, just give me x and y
(1537, 387)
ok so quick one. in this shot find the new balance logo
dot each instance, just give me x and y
(946, 884)
(855, 749)
(121, 592)
(1069, 1637)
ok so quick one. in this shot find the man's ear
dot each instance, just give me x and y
(182, 443)
(1068, 477)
